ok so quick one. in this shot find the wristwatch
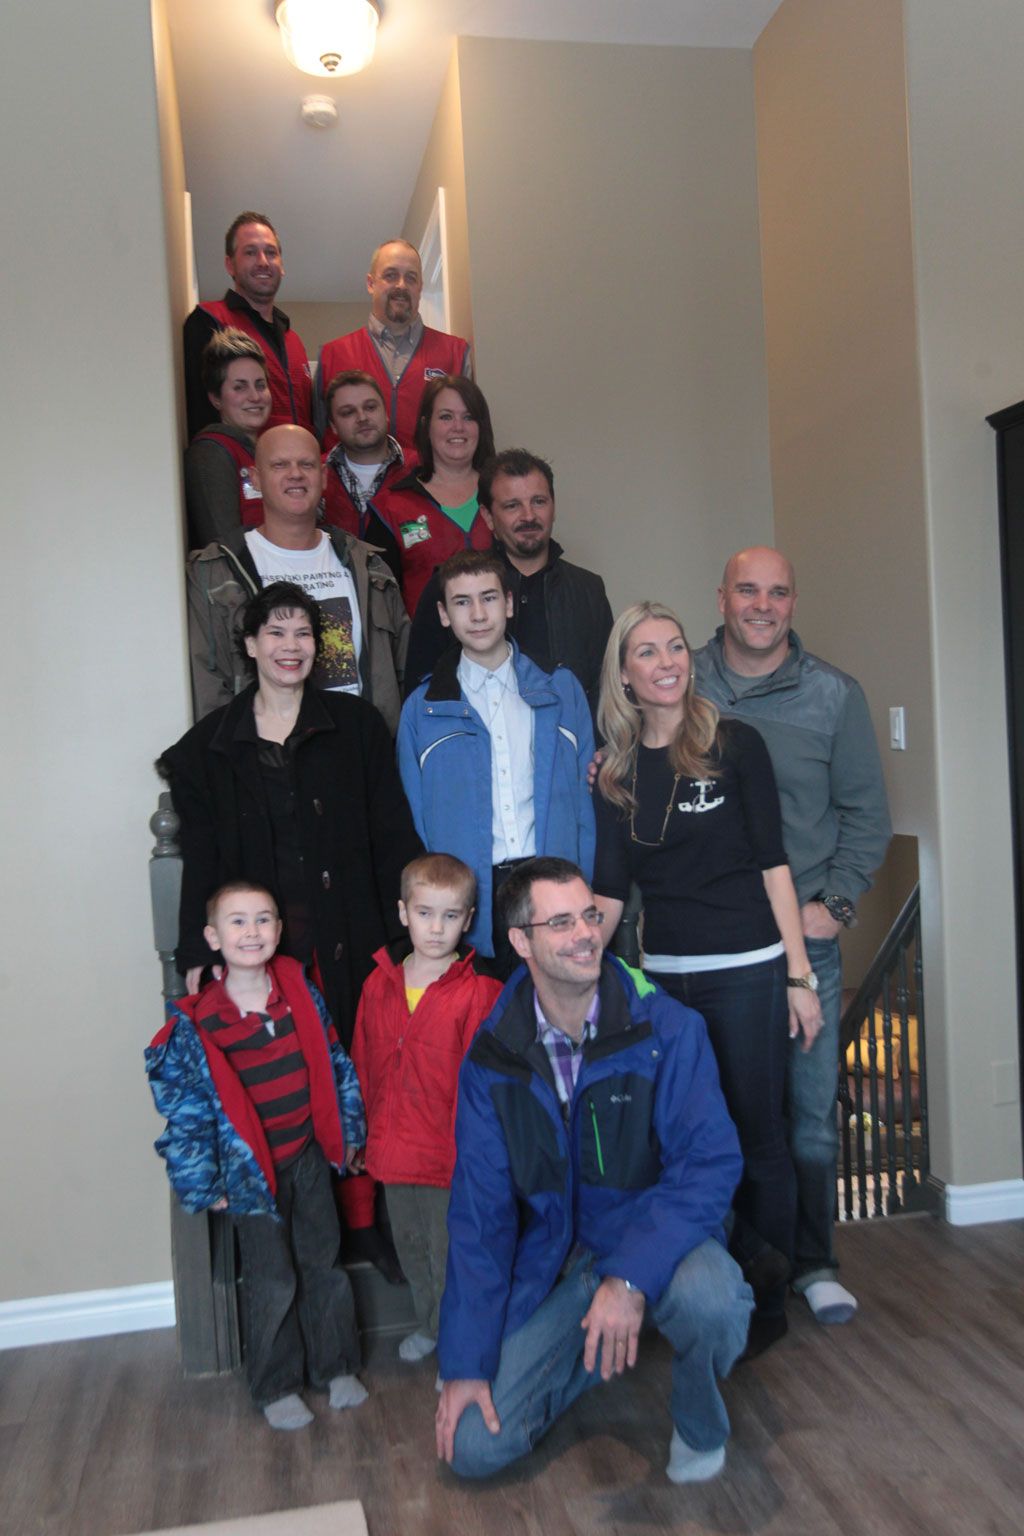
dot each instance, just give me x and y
(841, 908)
(810, 981)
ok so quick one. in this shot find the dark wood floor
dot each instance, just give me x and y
(909, 1421)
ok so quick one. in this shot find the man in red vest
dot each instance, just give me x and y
(394, 346)
(253, 260)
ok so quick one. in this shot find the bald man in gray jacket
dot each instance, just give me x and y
(835, 826)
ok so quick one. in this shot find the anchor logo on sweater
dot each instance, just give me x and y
(700, 801)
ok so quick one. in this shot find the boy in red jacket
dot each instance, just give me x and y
(418, 1012)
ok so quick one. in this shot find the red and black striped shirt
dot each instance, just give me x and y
(264, 1051)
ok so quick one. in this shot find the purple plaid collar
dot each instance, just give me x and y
(564, 1055)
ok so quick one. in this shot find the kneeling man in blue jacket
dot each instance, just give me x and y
(493, 752)
(596, 1164)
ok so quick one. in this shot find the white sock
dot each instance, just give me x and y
(416, 1346)
(288, 1413)
(830, 1302)
(347, 1392)
(685, 1465)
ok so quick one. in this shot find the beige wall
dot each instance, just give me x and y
(317, 323)
(96, 682)
(443, 165)
(878, 909)
(966, 128)
(612, 233)
(873, 507)
(172, 160)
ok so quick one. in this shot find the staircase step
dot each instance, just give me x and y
(380, 1308)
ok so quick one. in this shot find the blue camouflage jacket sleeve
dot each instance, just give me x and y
(701, 1160)
(482, 1233)
(350, 1098)
(184, 1094)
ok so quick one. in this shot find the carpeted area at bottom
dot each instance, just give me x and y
(342, 1519)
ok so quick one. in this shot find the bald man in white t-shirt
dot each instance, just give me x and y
(366, 628)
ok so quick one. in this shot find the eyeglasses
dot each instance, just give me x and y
(563, 921)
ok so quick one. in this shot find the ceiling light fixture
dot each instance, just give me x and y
(328, 37)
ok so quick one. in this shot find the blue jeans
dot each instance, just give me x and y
(811, 1083)
(704, 1313)
(746, 1013)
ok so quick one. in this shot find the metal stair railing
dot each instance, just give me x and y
(883, 1097)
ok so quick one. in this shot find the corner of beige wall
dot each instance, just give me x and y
(612, 222)
(92, 584)
(875, 455)
(443, 165)
(320, 322)
(966, 124)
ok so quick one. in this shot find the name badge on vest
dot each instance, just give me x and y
(415, 533)
(433, 373)
(249, 491)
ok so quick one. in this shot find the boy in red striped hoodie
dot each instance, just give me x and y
(418, 1012)
(259, 1098)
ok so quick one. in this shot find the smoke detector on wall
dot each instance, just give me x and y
(318, 111)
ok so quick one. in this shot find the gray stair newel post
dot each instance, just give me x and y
(203, 1246)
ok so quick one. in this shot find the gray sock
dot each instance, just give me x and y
(347, 1392)
(830, 1302)
(685, 1465)
(288, 1413)
(416, 1346)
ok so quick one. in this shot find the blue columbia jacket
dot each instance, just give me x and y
(640, 1171)
(444, 756)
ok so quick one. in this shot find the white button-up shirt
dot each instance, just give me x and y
(495, 697)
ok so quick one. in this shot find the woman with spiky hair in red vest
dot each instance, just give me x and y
(220, 493)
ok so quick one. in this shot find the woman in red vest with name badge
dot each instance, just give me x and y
(219, 491)
(433, 511)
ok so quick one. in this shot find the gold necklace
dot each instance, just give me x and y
(668, 810)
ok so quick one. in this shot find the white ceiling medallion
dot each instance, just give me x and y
(328, 37)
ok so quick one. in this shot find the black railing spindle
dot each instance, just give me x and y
(882, 1099)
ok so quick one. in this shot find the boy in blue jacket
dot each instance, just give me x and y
(493, 752)
(259, 1098)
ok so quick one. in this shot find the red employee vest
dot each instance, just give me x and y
(291, 393)
(425, 534)
(250, 502)
(436, 355)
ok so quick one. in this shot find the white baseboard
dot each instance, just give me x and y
(969, 1204)
(86, 1314)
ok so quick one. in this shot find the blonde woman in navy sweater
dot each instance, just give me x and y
(686, 806)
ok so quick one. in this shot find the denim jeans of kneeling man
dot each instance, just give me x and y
(704, 1313)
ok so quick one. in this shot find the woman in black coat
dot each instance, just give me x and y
(296, 789)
